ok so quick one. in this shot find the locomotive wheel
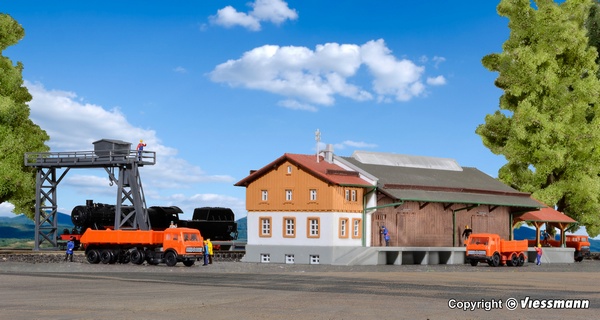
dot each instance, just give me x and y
(521, 260)
(106, 256)
(170, 258)
(495, 260)
(188, 263)
(93, 256)
(137, 256)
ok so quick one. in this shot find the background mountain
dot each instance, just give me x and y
(242, 228)
(21, 227)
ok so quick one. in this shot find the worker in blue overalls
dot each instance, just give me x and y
(70, 247)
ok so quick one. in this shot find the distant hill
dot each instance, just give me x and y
(529, 233)
(21, 227)
(242, 228)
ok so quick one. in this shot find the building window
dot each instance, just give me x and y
(289, 259)
(289, 227)
(288, 195)
(264, 195)
(313, 194)
(347, 195)
(313, 227)
(265, 227)
(354, 195)
(265, 258)
(356, 228)
(313, 259)
(289, 169)
(343, 232)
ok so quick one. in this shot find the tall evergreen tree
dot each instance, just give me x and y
(18, 134)
(548, 125)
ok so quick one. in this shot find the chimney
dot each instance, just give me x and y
(328, 153)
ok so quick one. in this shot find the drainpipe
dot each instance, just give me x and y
(454, 221)
(395, 204)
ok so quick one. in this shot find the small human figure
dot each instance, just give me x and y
(140, 148)
(70, 247)
(205, 253)
(539, 252)
(210, 251)
(172, 225)
(466, 233)
(545, 236)
(386, 235)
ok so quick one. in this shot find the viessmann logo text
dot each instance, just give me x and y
(513, 304)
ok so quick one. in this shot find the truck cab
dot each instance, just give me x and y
(182, 244)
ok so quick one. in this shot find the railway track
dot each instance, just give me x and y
(50, 255)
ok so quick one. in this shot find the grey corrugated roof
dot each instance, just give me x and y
(404, 160)
(450, 186)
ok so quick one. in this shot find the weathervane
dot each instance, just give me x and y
(318, 139)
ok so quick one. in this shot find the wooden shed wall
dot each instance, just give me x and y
(276, 181)
(414, 224)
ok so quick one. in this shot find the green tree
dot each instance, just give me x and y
(548, 125)
(18, 134)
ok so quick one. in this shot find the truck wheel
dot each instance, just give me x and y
(137, 256)
(495, 260)
(578, 256)
(170, 258)
(521, 259)
(93, 256)
(514, 260)
(474, 262)
(188, 262)
(106, 256)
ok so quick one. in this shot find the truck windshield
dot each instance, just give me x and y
(479, 240)
(190, 237)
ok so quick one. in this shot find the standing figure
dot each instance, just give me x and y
(70, 247)
(205, 253)
(539, 252)
(545, 236)
(140, 148)
(466, 233)
(386, 235)
(210, 251)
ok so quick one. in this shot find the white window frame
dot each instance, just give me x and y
(264, 195)
(313, 194)
(288, 195)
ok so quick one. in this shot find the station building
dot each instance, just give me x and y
(328, 209)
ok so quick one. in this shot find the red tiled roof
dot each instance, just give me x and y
(546, 215)
(323, 170)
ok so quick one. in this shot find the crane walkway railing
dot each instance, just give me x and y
(89, 159)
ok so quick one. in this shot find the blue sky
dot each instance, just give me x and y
(218, 88)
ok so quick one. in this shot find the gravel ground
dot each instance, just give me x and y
(42, 286)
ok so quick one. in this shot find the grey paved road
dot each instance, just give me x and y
(234, 290)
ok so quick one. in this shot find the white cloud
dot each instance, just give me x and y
(180, 70)
(229, 17)
(275, 11)
(188, 203)
(6, 209)
(317, 76)
(437, 60)
(437, 81)
(354, 144)
(295, 105)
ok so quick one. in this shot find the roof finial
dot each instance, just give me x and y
(318, 139)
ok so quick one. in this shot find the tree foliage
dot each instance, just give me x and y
(18, 134)
(548, 125)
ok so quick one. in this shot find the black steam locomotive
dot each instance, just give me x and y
(215, 223)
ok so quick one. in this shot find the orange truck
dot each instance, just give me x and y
(136, 246)
(488, 247)
(580, 243)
